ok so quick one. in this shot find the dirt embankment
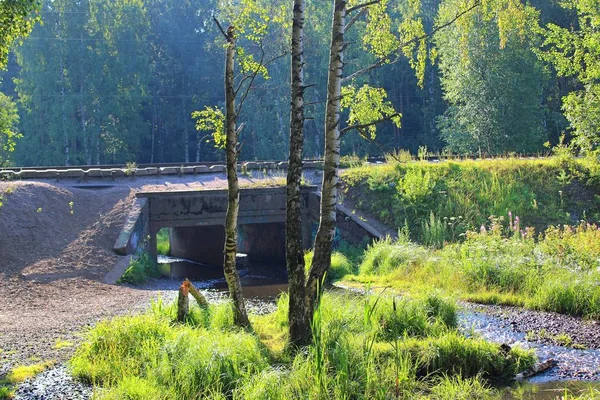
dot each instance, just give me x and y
(55, 247)
(56, 242)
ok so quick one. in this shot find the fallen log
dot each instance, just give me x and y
(536, 369)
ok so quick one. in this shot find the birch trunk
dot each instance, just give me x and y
(329, 190)
(299, 329)
(231, 228)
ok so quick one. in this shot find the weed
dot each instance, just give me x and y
(146, 356)
(422, 153)
(558, 272)
(130, 168)
(340, 265)
(62, 344)
(475, 190)
(398, 156)
(140, 270)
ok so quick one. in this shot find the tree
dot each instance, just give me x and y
(8, 123)
(293, 226)
(369, 109)
(495, 91)
(576, 53)
(367, 106)
(82, 83)
(17, 18)
(249, 23)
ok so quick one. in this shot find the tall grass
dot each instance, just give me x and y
(461, 195)
(555, 271)
(367, 347)
(340, 265)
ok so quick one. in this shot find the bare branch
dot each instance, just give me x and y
(220, 27)
(360, 127)
(253, 76)
(377, 143)
(354, 19)
(362, 5)
(239, 128)
(385, 60)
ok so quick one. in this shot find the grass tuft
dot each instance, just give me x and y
(140, 271)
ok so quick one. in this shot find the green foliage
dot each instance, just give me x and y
(372, 347)
(340, 265)
(9, 118)
(386, 255)
(163, 245)
(493, 82)
(212, 120)
(463, 195)
(140, 270)
(17, 18)
(574, 53)
(367, 106)
(460, 388)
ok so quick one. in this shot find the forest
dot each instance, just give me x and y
(100, 81)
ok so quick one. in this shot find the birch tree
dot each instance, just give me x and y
(367, 107)
(249, 22)
(299, 331)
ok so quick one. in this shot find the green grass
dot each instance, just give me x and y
(373, 347)
(340, 265)
(140, 270)
(163, 245)
(554, 271)
(442, 201)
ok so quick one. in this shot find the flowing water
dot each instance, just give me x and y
(577, 370)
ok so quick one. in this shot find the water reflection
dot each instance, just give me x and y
(262, 281)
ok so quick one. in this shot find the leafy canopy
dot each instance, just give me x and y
(576, 53)
(17, 18)
(368, 105)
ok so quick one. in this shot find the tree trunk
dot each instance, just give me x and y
(299, 330)
(329, 191)
(183, 303)
(231, 228)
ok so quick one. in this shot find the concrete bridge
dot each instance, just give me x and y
(196, 221)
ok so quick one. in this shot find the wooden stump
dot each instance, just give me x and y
(183, 302)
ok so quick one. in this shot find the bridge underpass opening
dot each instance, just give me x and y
(259, 242)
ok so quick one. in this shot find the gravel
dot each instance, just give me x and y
(53, 384)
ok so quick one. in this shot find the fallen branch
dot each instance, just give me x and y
(200, 299)
(536, 369)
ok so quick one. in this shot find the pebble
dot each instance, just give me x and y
(53, 384)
